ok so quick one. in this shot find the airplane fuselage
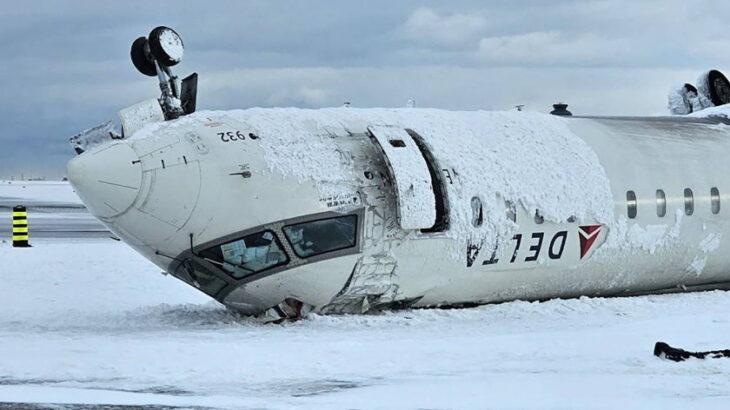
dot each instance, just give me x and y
(347, 210)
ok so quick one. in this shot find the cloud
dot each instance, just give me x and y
(303, 96)
(66, 65)
(425, 25)
(555, 48)
(589, 90)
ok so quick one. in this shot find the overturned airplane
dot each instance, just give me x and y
(286, 211)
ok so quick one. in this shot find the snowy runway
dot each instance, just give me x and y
(92, 322)
(54, 210)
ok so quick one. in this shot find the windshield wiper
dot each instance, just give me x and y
(223, 265)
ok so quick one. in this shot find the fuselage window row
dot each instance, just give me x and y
(661, 203)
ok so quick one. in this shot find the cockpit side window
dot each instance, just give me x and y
(251, 254)
(202, 278)
(325, 235)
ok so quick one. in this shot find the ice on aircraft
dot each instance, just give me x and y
(713, 89)
(280, 212)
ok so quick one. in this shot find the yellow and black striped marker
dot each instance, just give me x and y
(20, 227)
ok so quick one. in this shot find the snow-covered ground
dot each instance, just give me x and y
(93, 322)
(54, 210)
(39, 191)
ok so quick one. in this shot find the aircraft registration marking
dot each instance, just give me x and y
(236, 135)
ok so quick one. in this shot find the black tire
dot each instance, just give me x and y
(158, 48)
(719, 88)
(141, 58)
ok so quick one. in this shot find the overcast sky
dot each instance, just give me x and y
(65, 64)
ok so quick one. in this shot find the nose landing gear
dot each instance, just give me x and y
(155, 55)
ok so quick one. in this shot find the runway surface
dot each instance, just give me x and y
(91, 324)
(52, 219)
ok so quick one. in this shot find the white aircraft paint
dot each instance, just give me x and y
(212, 178)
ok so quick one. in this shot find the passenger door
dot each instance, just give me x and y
(411, 176)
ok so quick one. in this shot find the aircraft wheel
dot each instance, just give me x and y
(141, 57)
(719, 88)
(166, 46)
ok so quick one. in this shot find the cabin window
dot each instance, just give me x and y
(397, 143)
(477, 213)
(631, 204)
(251, 254)
(661, 203)
(715, 200)
(326, 235)
(689, 202)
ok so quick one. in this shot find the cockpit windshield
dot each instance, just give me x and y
(248, 255)
(325, 235)
(202, 277)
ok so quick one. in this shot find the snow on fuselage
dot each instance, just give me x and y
(345, 210)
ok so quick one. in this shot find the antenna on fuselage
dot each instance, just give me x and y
(155, 55)
(191, 245)
(561, 108)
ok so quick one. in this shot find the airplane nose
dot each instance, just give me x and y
(107, 180)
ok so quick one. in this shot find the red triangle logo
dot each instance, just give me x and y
(588, 235)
